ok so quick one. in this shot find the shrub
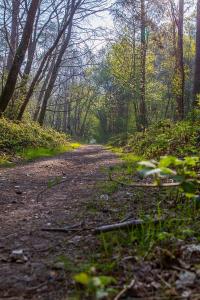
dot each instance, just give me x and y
(16, 137)
(180, 139)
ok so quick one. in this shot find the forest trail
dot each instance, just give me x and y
(29, 271)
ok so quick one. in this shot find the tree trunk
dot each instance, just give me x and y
(46, 56)
(14, 33)
(9, 88)
(196, 88)
(54, 75)
(180, 78)
(43, 90)
(143, 123)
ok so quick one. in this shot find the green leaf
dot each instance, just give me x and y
(191, 161)
(82, 278)
(167, 161)
(147, 164)
(152, 172)
(167, 171)
(106, 280)
(189, 187)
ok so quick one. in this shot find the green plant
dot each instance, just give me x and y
(29, 141)
(163, 138)
(180, 171)
(96, 286)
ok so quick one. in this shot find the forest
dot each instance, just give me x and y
(99, 149)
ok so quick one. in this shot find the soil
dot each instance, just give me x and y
(73, 189)
(27, 254)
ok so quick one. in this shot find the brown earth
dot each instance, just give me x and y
(27, 206)
(73, 189)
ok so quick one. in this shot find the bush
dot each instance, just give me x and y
(180, 139)
(17, 137)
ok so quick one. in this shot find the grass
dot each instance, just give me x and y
(32, 154)
(148, 242)
(29, 141)
(5, 163)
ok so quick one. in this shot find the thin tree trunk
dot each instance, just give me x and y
(42, 92)
(180, 65)
(45, 58)
(9, 88)
(142, 105)
(54, 75)
(14, 33)
(196, 88)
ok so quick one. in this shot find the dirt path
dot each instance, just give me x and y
(29, 273)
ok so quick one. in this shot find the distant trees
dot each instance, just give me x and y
(52, 73)
(48, 32)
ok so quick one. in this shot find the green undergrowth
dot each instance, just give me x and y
(178, 209)
(31, 153)
(164, 138)
(99, 274)
(180, 224)
(20, 140)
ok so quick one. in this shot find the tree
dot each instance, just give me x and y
(14, 33)
(143, 123)
(196, 88)
(10, 84)
(180, 78)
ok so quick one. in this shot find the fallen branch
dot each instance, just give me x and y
(125, 290)
(144, 185)
(124, 225)
(31, 289)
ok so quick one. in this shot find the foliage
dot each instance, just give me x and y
(182, 171)
(96, 286)
(29, 140)
(164, 138)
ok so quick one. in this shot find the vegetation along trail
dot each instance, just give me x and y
(28, 254)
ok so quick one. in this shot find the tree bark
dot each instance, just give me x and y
(143, 123)
(196, 88)
(14, 33)
(9, 88)
(42, 92)
(180, 78)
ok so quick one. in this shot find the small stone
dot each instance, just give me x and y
(75, 239)
(18, 256)
(156, 285)
(104, 197)
(18, 252)
(185, 279)
(186, 294)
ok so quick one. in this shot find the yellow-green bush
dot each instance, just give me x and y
(15, 137)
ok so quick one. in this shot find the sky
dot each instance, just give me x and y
(102, 20)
